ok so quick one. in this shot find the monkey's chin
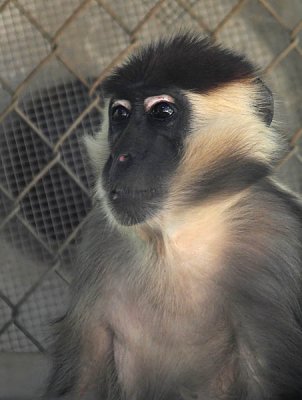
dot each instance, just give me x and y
(129, 214)
(131, 210)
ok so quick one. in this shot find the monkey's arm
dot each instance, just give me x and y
(265, 287)
(83, 345)
(80, 359)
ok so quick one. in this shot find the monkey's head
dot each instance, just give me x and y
(183, 119)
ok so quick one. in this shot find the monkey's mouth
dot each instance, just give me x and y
(133, 206)
(135, 194)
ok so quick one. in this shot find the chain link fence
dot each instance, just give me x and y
(53, 56)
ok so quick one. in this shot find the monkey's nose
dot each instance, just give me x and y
(124, 157)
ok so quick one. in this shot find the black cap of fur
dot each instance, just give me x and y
(185, 61)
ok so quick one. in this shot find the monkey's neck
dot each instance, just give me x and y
(200, 232)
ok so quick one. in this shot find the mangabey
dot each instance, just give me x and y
(190, 282)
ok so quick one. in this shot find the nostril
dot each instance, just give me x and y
(124, 157)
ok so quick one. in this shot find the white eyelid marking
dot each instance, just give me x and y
(150, 101)
(124, 103)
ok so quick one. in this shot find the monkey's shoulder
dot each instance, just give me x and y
(267, 241)
(269, 202)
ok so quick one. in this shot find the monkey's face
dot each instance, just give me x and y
(183, 121)
(145, 135)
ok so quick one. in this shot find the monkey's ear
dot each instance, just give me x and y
(265, 104)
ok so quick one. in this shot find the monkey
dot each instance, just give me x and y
(189, 272)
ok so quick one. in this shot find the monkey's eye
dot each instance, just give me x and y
(162, 110)
(119, 113)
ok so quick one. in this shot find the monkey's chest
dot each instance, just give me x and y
(147, 344)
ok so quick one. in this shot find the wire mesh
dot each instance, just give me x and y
(53, 55)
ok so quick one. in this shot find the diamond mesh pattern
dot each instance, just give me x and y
(22, 47)
(53, 55)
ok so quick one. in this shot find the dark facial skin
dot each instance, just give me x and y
(145, 148)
